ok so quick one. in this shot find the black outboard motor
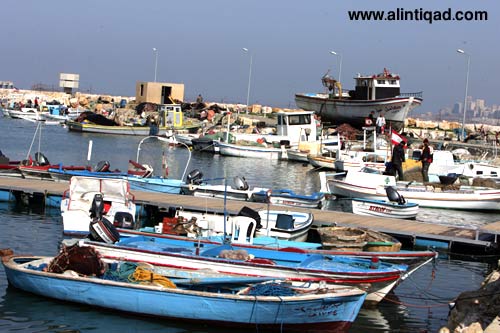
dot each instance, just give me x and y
(195, 177)
(97, 207)
(393, 195)
(41, 159)
(123, 220)
(102, 166)
(249, 212)
(240, 183)
(103, 231)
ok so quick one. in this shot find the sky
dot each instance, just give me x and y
(200, 43)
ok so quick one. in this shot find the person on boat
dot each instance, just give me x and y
(380, 123)
(370, 120)
(398, 157)
(426, 159)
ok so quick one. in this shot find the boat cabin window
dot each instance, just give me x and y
(302, 119)
(381, 81)
(393, 82)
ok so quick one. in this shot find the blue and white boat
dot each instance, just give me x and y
(378, 278)
(275, 305)
(396, 206)
(287, 197)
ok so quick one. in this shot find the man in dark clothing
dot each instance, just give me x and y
(426, 159)
(398, 157)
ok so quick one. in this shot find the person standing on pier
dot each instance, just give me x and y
(426, 159)
(380, 123)
(398, 157)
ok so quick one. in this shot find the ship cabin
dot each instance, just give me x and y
(384, 85)
(297, 126)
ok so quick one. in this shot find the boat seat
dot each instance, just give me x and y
(243, 229)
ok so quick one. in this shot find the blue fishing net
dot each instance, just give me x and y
(270, 289)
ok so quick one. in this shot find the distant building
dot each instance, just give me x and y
(6, 85)
(69, 82)
(159, 92)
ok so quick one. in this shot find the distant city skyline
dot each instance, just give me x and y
(288, 47)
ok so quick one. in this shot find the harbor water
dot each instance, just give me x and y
(418, 304)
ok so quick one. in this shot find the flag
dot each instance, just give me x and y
(396, 138)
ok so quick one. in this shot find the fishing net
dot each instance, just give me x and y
(270, 289)
(83, 260)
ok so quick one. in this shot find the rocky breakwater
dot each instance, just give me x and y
(477, 311)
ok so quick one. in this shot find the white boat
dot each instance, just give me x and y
(90, 198)
(379, 93)
(252, 151)
(292, 129)
(238, 190)
(61, 114)
(394, 206)
(281, 224)
(370, 184)
(321, 162)
(31, 114)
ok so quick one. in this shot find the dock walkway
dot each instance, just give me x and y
(485, 237)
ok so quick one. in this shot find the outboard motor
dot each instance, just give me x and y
(97, 207)
(102, 166)
(103, 231)
(393, 195)
(240, 183)
(41, 159)
(123, 220)
(195, 177)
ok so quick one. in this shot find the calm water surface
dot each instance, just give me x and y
(418, 304)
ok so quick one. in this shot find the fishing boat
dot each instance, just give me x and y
(170, 116)
(90, 198)
(380, 277)
(379, 93)
(353, 238)
(287, 197)
(39, 166)
(370, 184)
(251, 150)
(395, 206)
(9, 168)
(413, 259)
(159, 292)
(251, 224)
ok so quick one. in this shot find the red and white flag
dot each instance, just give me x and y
(396, 138)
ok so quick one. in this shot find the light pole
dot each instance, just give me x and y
(155, 51)
(466, 87)
(340, 66)
(249, 77)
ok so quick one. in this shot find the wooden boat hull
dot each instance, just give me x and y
(354, 112)
(383, 208)
(338, 310)
(120, 130)
(229, 149)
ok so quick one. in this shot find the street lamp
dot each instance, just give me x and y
(340, 66)
(249, 76)
(466, 87)
(155, 51)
